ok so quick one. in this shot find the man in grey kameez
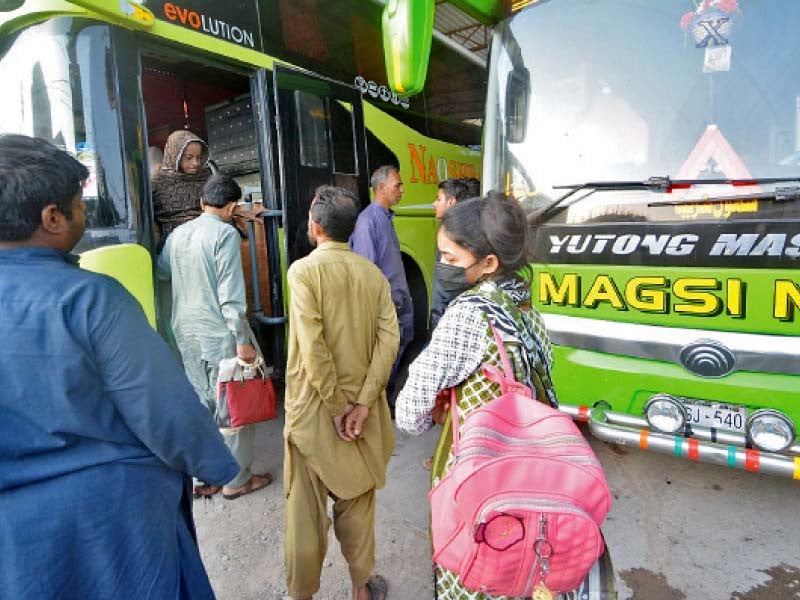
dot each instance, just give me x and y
(203, 259)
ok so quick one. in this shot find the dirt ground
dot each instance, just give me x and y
(242, 540)
(678, 529)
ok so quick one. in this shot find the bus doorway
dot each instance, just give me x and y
(216, 104)
(316, 138)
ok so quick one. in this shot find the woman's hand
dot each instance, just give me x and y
(441, 408)
(246, 352)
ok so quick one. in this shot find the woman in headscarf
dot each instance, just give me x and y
(179, 181)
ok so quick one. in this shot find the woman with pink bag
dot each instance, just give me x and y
(483, 246)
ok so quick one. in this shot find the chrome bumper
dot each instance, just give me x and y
(699, 444)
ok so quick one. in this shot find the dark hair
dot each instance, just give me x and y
(492, 225)
(34, 174)
(220, 190)
(381, 174)
(335, 209)
(473, 187)
(454, 188)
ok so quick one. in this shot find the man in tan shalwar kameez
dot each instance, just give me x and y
(343, 339)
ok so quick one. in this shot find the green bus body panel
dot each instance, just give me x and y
(584, 377)
(418, 240)
(132, 266)
(424, 161)
(126, 12)
(727, 299)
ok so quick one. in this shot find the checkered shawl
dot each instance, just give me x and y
(462, 342)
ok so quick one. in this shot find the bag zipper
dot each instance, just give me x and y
(541, 506)
(542, 562)
(565, 439)
(536, 505)
(477, 451)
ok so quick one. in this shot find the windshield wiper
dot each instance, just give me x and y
(663, 185)
(780, 194)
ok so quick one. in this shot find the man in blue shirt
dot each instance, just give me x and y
(375, 238)
(99, 429)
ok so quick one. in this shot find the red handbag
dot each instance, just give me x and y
(247, 397)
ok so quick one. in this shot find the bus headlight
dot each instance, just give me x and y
(664, 413)
(770, 430)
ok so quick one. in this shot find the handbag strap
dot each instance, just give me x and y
(253, 365)
(507, 381)
(257, 365)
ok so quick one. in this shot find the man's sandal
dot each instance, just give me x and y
(378, 587)
(205, 490)
(255, 483)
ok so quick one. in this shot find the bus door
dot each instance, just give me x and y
(321, 141)
(221, 103)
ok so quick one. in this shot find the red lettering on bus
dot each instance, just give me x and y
(169, 11)
(423, 167)
(174, 12)
(417, 163)
(182, 14)
(432, 178)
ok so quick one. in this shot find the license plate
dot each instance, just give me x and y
(712, 414)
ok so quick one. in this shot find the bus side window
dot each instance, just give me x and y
(312, 126)
(344, 151)
(517, 105)
(345, 167)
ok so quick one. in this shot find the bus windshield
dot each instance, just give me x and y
(630, 90)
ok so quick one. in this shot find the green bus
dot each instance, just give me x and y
(288, 95)
(657, 148)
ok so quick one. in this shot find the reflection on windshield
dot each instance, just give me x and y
(37, 93)
(628, 90)
(56, 86)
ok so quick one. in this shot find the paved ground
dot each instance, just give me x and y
(678, 530)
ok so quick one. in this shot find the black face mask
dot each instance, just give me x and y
(452, 278)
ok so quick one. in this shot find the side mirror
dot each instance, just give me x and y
(407, 33)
